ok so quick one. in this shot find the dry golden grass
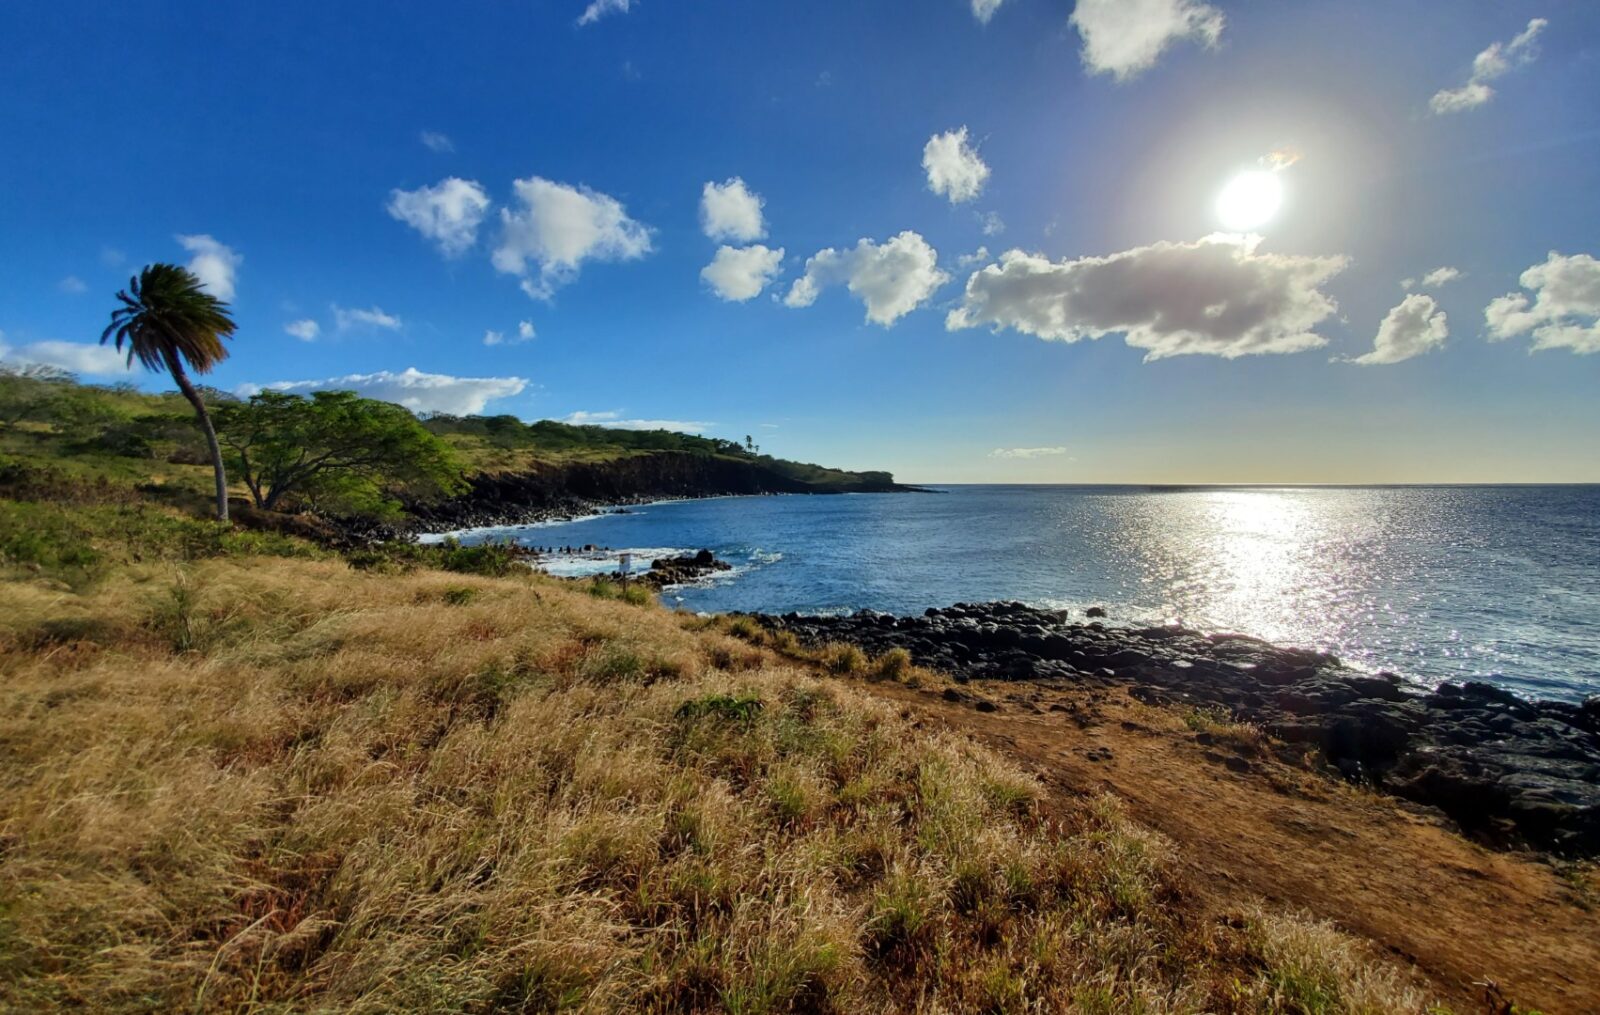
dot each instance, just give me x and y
(270, 785)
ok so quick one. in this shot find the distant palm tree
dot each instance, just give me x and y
(170, 320)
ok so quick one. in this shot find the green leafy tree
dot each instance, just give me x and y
(167, 320)
(335, 452)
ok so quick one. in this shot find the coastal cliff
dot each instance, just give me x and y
(546, 490)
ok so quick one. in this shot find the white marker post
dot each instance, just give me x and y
(625, 564)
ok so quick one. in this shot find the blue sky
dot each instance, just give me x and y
(1042, 298)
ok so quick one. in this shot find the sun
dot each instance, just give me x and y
(1249, 200)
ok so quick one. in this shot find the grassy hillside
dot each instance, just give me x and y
(276, 783)
(247, 773)
(126, 436)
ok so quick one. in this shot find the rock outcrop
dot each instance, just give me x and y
(1505, 769)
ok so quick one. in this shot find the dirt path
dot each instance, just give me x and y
(1260, 829)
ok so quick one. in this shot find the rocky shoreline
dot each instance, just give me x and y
(1509, 771)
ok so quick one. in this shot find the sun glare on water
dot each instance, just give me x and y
(1250, 200)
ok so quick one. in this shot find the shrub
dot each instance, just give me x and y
(843, 658)
(894, 664)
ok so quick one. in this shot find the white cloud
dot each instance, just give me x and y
(976, 257)
(992, 223)
(614, 421)
(738, 274)
(111, 257)
(892, 279)
(1215, 297)
(344, 319)
(72, 284)
(524, 333)
(305, 330)
(983, 10)
(598, 9)
(449, 212)
(953, 166)
(1026, 452)
(731, 211)
(1124, 38)
(1433, 279)
(437, 142)
(1410, 329)
(558, 228)
(1496, 61)
(1565, 310)
(78, 357)
(215, 264)
(417, 391)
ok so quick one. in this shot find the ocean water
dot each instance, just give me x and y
(1493, 583)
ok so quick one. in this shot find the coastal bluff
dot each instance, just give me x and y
(546, 490)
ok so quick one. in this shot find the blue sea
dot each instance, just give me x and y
(1494, 583)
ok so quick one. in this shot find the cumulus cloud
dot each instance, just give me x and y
(77, 357)
(983, 10)
(448, 213)
(731, 211)
(976, 257)
(1124, 38)
(1216, 297)
(615, 421)
(953, 166)
(1496, 61)
(1433, 279)
(1564, 312)
(598, 9)
(215, 264)
(344, 319)
(892, 279)
(1410, 329)
(525, 331)
(557, 228)
(72, 284)
(417, 391)
(436, 142)
(305, 330)
(738, 274)
(1026, 452)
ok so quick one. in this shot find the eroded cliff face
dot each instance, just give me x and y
(548, 491)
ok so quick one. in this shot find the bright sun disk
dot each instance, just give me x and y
(1249, 200)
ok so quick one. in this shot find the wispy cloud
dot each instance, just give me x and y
(305, 329)
(73, 285)
(615, 421)
(598, 9)
(437, 142)
(411, 388)
(345, 318)
(1498, 60)
(77, 357)
(1027, 452)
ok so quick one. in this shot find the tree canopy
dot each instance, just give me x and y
(335, 452)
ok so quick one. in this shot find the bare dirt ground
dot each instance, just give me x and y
(1483, 927)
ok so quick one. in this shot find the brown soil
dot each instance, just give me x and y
(1481, 926)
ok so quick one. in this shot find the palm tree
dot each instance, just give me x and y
(169, 320)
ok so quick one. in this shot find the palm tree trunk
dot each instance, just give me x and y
(199, 404)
